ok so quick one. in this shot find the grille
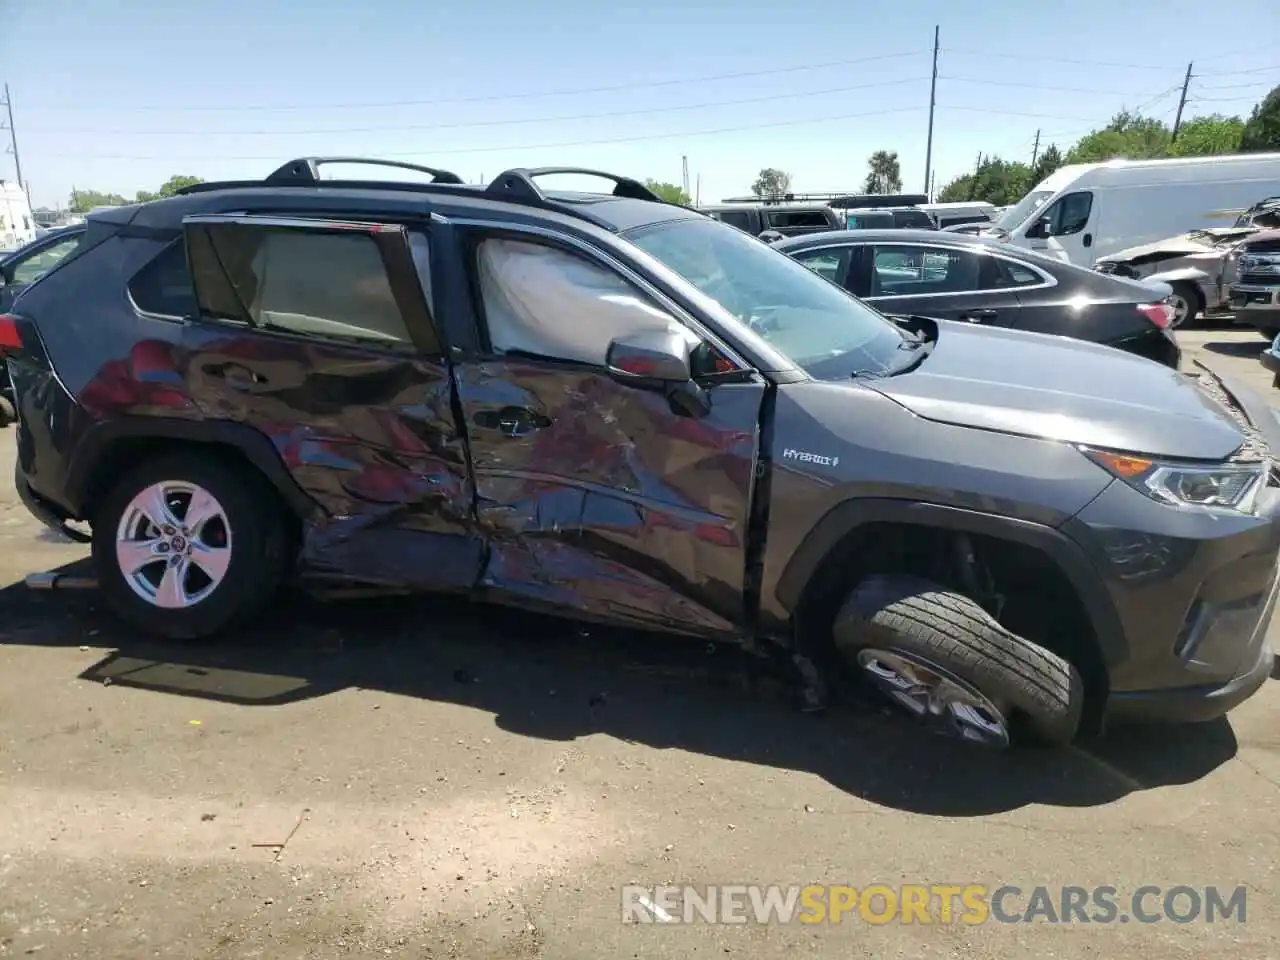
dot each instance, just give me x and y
(1254, 449)
(1263, 279)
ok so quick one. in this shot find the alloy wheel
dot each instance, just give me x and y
(942, 701)
(173, 544)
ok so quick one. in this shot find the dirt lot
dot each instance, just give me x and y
(441, 781)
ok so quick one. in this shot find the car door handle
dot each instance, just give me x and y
(511, 421)
(1088, 239)
(978, 316)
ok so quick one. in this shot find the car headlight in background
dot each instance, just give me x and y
(1228, 487)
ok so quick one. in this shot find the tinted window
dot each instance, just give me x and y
(912, 218)
(311, 282)
(905, 271)
(735, 218)
(797, 218)
(38, 264)
(163, 286)
(1016, 275)
(544, 302)
(826, 263)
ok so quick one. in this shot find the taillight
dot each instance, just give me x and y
(1161, 314)
(10, 339)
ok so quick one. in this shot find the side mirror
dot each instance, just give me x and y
(660, 360)
(1041, 229)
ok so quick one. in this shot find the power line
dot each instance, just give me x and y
(545, 146)
(529, 95)
(1238, 73)
(1033, 86)
(986, 54)
(1239, 86)
(1014, 113)
(494, 123)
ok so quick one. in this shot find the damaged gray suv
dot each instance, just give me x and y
(618, 409)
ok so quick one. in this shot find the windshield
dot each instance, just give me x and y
(1028, 205)
(822, 329)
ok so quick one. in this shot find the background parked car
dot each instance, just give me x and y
(27, 264)
(1255, 296)
(789, 219)
(953, 276)
(1200, 267)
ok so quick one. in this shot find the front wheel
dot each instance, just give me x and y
(185, 545)
(943, 659)
(1185, 301)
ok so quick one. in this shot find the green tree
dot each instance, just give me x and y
(885, 173)
(1048, 161)
(772, 183)
(1262, 130)
(1128, 135)
(82, 201)
(170, 187)
(1208, 136)
(996, 181)
(669, 192)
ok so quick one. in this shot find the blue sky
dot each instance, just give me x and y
(117, 95)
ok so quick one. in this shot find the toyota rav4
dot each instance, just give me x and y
(617, 408)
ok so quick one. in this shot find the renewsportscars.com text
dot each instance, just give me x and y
(968, 904)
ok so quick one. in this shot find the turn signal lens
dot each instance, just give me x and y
(1122, 465)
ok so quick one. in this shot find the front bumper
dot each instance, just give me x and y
(1194, 593)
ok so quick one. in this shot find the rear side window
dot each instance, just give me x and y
(912, 218)
(163, 287)
(828, 263)
(1015, 274)
(310, 282)
(923, 271)
(38, 264)
(735, 218)
(798, 218)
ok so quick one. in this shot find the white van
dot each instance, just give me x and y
(1087, 210)
(961, 212)
(17, 225)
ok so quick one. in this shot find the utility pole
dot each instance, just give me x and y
(1035, 151)
(933, 100)
(13, 136)
(1177, 121)
(684, 164)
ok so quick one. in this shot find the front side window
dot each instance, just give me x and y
(820, 327)
(907, 271)
(735, 218)
(313, 282)
(827, 263)
(38, 264)
(543, 302)
(1070, 214)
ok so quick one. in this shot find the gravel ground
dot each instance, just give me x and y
(427, 779)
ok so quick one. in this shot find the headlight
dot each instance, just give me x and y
(1225, 487)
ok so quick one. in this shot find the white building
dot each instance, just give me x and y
(17, 226)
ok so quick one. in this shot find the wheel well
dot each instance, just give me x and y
(128, 452)
(1193, 290)
(1020, 585)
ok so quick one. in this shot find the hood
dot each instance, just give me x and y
(1055, 388)
(1184, 245)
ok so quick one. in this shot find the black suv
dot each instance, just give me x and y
(615, 407)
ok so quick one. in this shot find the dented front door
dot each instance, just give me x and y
(597, 496)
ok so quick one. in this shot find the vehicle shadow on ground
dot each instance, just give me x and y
(1236, 348)
(551, 679)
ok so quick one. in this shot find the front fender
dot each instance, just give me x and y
(1069, 557)
(1186, 274)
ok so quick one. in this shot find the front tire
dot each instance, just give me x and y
(939, 656)
(185, 546)
(1186, 304)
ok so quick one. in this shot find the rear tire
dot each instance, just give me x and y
(1037, 695)
(179, 584)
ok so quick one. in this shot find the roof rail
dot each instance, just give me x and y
(518, 184)
(305, 172)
